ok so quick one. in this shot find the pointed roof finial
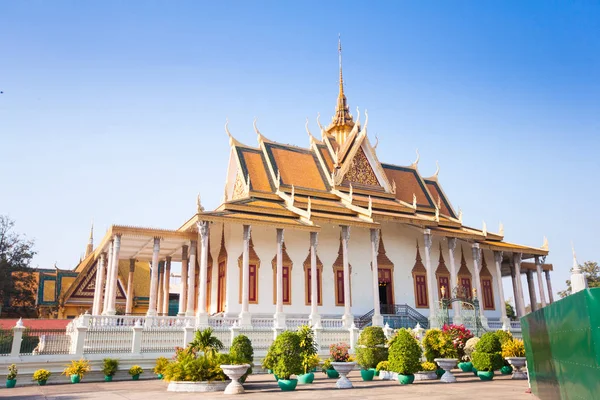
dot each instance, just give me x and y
(342, 121)
(340, 60)
(575, 264)
(90, 246)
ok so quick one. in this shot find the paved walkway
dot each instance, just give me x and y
(265, 387)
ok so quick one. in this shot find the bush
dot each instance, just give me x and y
(284, 355)
(458, 335)
(79, 368)
(136, 370)
(383, 366)
(513, 348)
(12, 372)
(326, 365)
(503, 336)
(339, 352)
(371, 348)
(489, 343)
(110, 366)
(205, 342)
(404, 353)
(189, 368)
(428, 366)
(241, 352)
(308, 348)
(438, 344)
(487, 361)
(161, 364)
(41, 375)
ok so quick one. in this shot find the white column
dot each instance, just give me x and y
(106, 289)
(431, 292)
(539, 262)
(245, 317)
(279, 317)
(129, 303)
(159, 289)
(348, 318)
(521, 303)
(166, 286)
(315, 318)
(500, 289)
(189, 310)
(549, 284)
(476, 267)
(154, 279)
(99, 286)
(183, 284)
(531, 287)
(456, 318)
(112, 299)
(377, 319)
(203, 232)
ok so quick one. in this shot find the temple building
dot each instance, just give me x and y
(322, 231)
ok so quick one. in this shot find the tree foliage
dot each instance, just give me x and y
(591, 271)
(510, 311)
(17, 282)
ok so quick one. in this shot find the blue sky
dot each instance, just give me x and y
(114, 111)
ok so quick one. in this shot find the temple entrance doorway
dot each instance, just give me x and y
(386, 291)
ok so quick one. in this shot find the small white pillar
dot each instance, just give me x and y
(377, 319)
(154, 279)
(112, 296)
(183, 283)
(353, 337)
(578, 281)
(81, 328)
(245, 318)
(347, 318)
(235, 331)
(477, 268)
(279, 317)
(456, 318)
(314, 317)
(17, 338)
(166, 286)
(202, 315)
(136, 343)
(387, 331)
(99, 285)
(188, 334)
(191, 286)
(519, 285)
(431, 292)
(106, 289)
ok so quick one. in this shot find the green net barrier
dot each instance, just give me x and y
(562, 344)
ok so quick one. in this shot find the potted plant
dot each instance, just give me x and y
(77, 370)
(383, 370)
(241, 352)
(11, 377)
(109, 368)
(135, 372)
(426, 372)
(341, 362)
(371, 351)
(194, 371)
(459, 335)
(467, 365)
(41, 376)
(159, 367)
(487, 357)
(308, 351)
(405, 356)
(284, 358)
(328, 369)
(514, 352)
(439, 348)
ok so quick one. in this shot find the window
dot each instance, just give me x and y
(465, 285)
(254, 266)
(308, 281)
(488, 294)
(339, 286)
(252, 285)
(444, 282)
(208, 286)
(287, 277)
(421, 291)
(221, 286)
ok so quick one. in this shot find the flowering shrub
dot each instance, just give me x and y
(470, 348)
(339, 352)
(513, 348)
(458, 335)
(438, 344)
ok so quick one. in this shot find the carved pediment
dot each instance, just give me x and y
(360, 171)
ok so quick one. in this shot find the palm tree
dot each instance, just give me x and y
(205, 342)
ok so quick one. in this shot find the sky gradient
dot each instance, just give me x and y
(114, 111)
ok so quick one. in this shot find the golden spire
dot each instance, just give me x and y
(342, 122)
(90, 246)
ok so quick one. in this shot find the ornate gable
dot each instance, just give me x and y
(85, 287)
(360, 171)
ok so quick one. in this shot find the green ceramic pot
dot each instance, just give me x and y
(314, 369)
(406, 379)
(75, 379)
(506, 370)
(474, 370)
(466, 366)
(374, 371)
(107, 378)
(135, 377)
(42, 382)
(332, 373)
(270, 371)
(485, 375)
(10, 383)
(160, 376)
(439, 372)
(367, 374)
(306, 378)
(276, 378)
(287, 385)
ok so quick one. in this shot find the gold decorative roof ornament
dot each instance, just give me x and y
(310, 136)
(416, 163)
(437, 171)
(258, 134)
(350, 193)
(460, 215)
(323, 132)
(199, 203)
(376, 137)
(370, 209)
(394, 186)
(545, 245)
(342, 121)
(501, 229)
(484, 229)
(232, 140)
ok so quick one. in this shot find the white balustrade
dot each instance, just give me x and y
(295, 323)
(261, 338)
(108, 339)
(224, 335)
(161, 340)
(221, 321)
(262, 322)
(329, 337)
(332, 323)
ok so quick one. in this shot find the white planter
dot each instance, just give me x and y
(426, 376)
(343, 368)
(517, 363)
(447, 364)
(196, 387)
(385, 375)
(234, 372)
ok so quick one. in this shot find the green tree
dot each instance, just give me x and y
(17, 282)
(591, 271)
(510, 311)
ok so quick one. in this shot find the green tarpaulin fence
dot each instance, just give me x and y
(562, 342)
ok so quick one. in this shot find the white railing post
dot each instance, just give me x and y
(353, 337)
(81, 329)
(17, 337)
(235, 330)
(387, 331)
(188, 334)
(318, 329)
(277, 331)
(136, 343)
